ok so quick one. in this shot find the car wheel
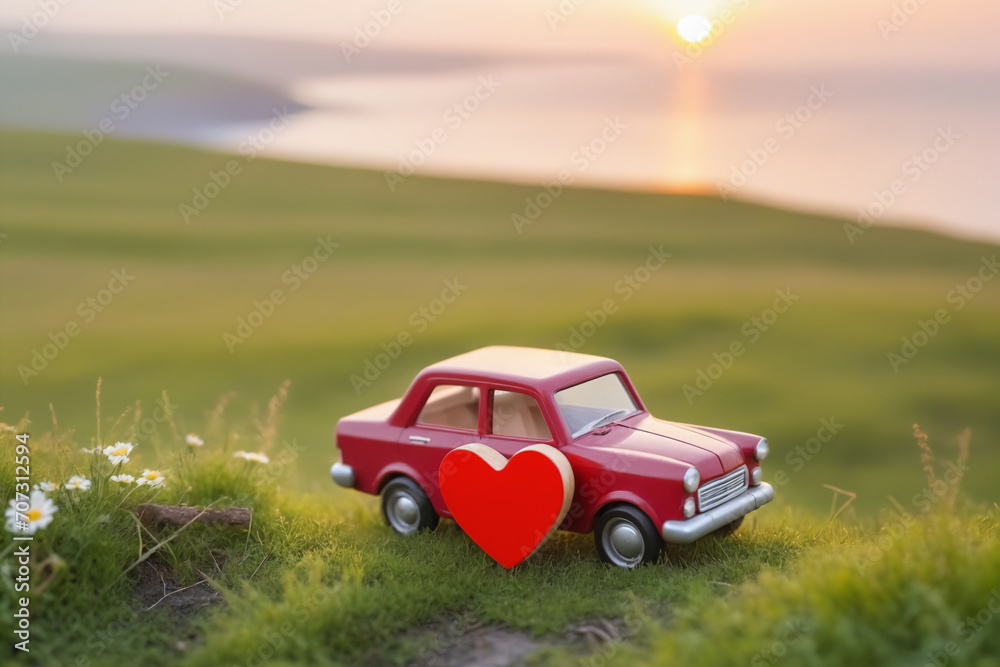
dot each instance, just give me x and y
(730, 528)
(626, 537)
(406, 507)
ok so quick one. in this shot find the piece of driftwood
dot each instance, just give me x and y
(180, 515)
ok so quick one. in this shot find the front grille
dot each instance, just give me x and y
(714, 493)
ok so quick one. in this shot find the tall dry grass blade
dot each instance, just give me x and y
(215, 419)
(152, 550)
(246, 546)
(114, 427)
(851, 496)
(136, 415)
(964, 442)
(269, 428)
(899, 506)
(172, 592)
(258, 568)
(926, 454)
(170, 417)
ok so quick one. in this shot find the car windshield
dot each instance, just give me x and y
(587, 405)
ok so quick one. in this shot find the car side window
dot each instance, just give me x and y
(518, 415)
(451, 405)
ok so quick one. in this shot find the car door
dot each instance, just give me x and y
(449, 418)
(514, 420)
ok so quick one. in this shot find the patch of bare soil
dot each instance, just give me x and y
(158, 589)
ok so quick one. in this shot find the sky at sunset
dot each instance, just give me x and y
(831, 102)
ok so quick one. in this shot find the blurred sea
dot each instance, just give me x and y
(918, 147)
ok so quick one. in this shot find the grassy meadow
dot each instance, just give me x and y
(825, 358)
(319, 555)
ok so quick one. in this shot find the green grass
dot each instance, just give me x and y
(314, 582)
(319, 558)
(348, 587)
(915, 592)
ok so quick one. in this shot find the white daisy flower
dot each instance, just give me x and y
(95, 450)
(76, 482)
(118, 452)
(152, 478)
(194, 440)
(252, 456)
(46, 486)
(39, 514)
(123, 479)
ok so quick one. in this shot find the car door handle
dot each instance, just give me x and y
(420, 439)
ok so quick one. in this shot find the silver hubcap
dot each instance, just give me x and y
(623, 543)
(403, 512)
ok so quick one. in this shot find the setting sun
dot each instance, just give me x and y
(694, 28)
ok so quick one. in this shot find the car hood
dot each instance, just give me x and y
(711, 454)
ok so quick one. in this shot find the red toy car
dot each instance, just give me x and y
(639, 480)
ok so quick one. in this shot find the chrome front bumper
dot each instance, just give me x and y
(343, 475)
(689, 530)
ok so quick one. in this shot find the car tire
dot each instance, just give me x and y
(625, 537)
(406, 507)
(730, 527)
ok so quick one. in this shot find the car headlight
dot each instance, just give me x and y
(755, 477)
(692, 478)
(761, 450)
(689, 508)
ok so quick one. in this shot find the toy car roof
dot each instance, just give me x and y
(524, 366)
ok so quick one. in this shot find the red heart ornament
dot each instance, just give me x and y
(506, 506)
